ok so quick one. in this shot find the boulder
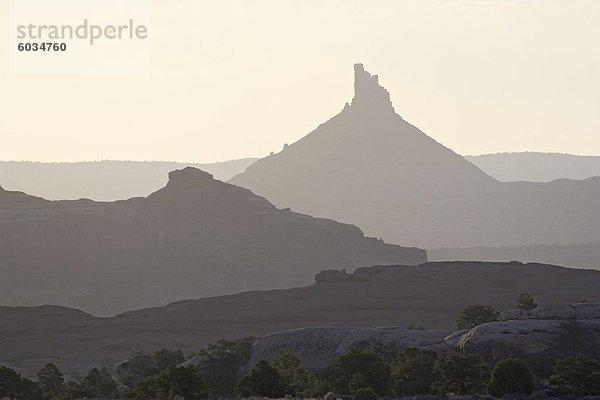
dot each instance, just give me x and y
(539, 341)
(318, 347)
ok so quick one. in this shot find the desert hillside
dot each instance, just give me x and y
(196, 237)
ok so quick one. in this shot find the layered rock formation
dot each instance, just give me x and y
(431, 295)
(536, 167)
(102, 180)
(196, 237)
(370, 167)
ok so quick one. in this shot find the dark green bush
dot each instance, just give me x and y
(355, 369)
(186, 382)
(296, 380)
(51, 383)
(96, 384)
(221, 363)
(511, 376)
(474, 315)
(460, 373)
(525, 302)
(412, 371)
(579, 374)
(14, 386)
(262, 380)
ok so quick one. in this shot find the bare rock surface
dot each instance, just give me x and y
(582, 310)
(318, 347)
(539, 341)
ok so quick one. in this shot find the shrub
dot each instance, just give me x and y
(293, 375)
(262, 380)
(460, 374)
(355, 370)
(50, 381)
(14, 386)
(511, 376)
(474, 315)
(412, 371)
(141, 366)
(145, 388)
(365, 394)
(525, 302)
(296, 380)
(186, 382)
(221, 363)
(165, 358)
(579, 374)
(97, 383)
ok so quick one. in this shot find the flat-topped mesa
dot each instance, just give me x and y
(369, 95)
(188, 176)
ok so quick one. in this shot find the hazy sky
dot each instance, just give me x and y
(232, 79)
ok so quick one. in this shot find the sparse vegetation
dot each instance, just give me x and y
(474, 315)
(525, 302)
(511, 376)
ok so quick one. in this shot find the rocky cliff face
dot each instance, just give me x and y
(196, 237)
(369, 167)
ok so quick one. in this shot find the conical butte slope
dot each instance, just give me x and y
(367, 166)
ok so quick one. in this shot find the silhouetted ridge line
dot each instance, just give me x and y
(369, 167)
(195, 237)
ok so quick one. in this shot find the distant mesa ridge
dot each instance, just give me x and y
(431, 295)
(195, 237)
(102, 180)
(188, 176)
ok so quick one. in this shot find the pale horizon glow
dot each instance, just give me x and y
(238, 78)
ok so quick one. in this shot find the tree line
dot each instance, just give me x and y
(362, 374)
